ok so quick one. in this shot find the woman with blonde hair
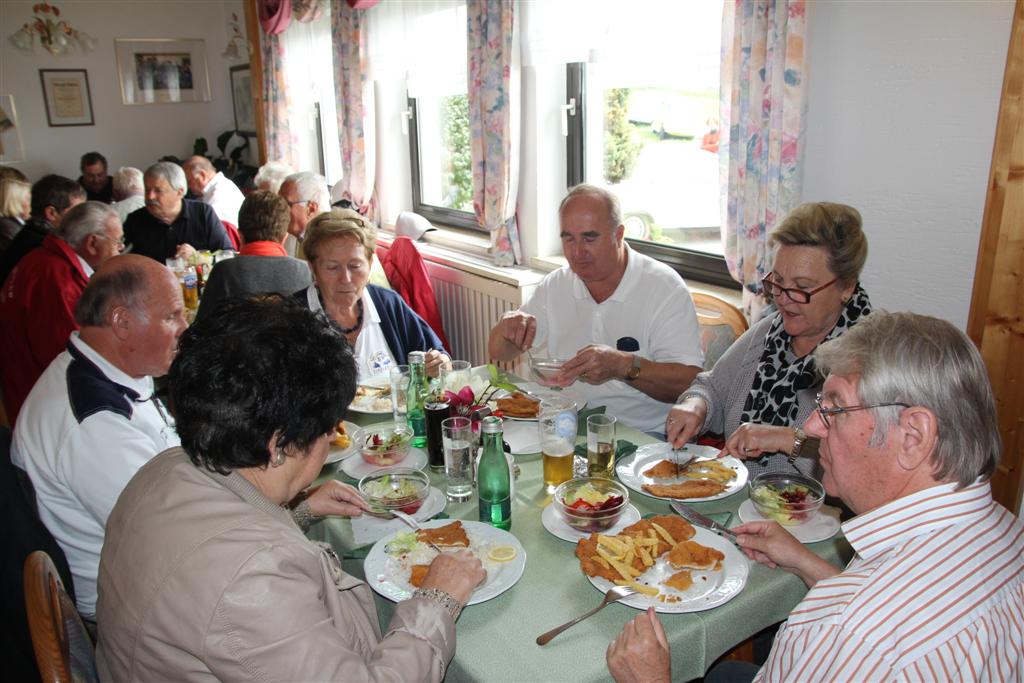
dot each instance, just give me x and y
(15, 206)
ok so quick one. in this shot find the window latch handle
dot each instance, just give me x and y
(567, 111)
(406, 117)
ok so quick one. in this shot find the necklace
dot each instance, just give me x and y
(359, 321)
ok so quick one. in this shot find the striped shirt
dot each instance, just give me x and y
(935, 592)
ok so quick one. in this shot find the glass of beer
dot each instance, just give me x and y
(557, 425)
(601, 446)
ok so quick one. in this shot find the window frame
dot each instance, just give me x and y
(435, 214)
(689, 263)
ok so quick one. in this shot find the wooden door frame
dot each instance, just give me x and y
(253, 34)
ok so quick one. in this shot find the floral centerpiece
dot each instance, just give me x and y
(472, 399)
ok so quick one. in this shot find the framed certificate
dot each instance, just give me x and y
(67, 98)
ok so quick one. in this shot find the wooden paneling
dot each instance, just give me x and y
(996, 322)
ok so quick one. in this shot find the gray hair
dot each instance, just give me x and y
(128, 181)
(171, 172)
(610, 200)
(126, 286)
(837, 228)
(923, 361)
(85, 219)
(311, 187)
(273, 174)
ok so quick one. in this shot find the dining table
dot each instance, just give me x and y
(496, 639)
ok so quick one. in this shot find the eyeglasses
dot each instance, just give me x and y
(801, 296)
(839, 410)
(120, 242)
(298, 201)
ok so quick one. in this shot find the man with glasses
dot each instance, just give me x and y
(307, 196)
(935, 590)
(37, 301)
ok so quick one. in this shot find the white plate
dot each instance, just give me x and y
(357, 468)
(337, 453)
(544, 392)
(821, 526)
(556, 526)
(389, 575)
(367, 529)
(631, 469)
(709, 589)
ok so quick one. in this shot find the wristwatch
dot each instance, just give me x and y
(634, 370)
(799, 437)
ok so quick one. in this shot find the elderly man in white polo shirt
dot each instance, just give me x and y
(625, 321)
(214, 188)
(92, 420)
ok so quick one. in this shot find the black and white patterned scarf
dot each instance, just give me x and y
(773, 396)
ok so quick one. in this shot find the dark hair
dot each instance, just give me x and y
(56, 191)
(264, 216)
(259, 367)
(125, 286)
(90, 158)
(11, 172)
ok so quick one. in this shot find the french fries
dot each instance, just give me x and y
(664, 534)
(639, 587)
(709, 469)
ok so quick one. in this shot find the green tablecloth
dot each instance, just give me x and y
(496, 639)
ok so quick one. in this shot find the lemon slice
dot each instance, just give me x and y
(502, 553)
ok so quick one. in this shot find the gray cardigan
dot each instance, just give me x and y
(725, 387)
(252, 275)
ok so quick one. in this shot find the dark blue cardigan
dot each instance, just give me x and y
(404, 331)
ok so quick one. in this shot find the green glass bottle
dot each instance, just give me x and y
(494, 481)
(415, 397)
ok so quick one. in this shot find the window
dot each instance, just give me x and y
(646, 128)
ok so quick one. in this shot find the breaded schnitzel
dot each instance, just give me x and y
(664, 469)
(696, 488)
(452, 535)
(418, 573)
(680, 580)
(693, 555)
(677, 527)
(592, 565)
(590, 561)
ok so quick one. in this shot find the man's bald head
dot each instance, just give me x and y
(199, 171)
(126, 281)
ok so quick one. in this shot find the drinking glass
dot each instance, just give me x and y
(399, 386)
(457, 376)
(600, 446)
(457, 434)
(556, 423)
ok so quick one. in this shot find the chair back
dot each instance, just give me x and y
(721, 324)
(64, 650)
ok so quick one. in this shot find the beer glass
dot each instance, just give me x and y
(601, 446)
(557, 425)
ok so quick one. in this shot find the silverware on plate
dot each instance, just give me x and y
(409, 520)
(613, 595)
(694, 517)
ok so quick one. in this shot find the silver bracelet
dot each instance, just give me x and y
(302, 515)
(453, 606)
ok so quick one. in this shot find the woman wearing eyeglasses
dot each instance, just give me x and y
(763, 387)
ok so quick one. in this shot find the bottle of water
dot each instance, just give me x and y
(494, 480)
(415, 413)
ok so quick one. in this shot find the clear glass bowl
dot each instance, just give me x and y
(386, 456)
(789, 499)
(590, 521)
(382, 490)
(544, 369)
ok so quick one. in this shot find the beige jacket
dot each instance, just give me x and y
(202, 578)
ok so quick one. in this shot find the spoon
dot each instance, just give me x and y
(613, 595)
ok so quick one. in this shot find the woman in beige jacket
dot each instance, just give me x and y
(205, 574)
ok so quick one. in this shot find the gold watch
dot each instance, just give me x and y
(634, 370)
(799, 438)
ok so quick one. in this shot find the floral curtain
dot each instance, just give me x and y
(493, 124)
(763, 109)
(355, 107)
(280, 140)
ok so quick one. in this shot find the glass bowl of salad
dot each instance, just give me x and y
(789, 499)
(591, 504)
(386, 445)
(396, 488)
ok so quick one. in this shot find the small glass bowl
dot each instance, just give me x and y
(768, 493)
(392, 479)
(386, 457)
(544, 369)
(590, 521)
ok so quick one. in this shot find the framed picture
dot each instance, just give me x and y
(162, 70)
(241, 97)
(10, 134)
(67, 97)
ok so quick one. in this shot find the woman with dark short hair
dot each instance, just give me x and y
(205, 572)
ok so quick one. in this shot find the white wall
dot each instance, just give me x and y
(903, 104)
(127, 135)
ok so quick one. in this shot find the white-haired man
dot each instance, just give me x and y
(214, 188)
(38, 299)
(170, 225)
(92, 420)
(307, 195)
(626, 322)
(271, 175)
(935, 591)
(129, 191)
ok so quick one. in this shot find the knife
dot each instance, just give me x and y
(694, 517)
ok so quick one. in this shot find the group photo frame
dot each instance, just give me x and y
(162, 70)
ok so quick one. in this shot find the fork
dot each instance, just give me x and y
(411, 521)
(614, 594)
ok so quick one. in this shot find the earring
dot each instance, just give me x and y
(278, 460)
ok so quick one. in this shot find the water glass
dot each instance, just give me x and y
(601, 446)
(457, 376)
(457, 435)
(556, 424)
(399, 387)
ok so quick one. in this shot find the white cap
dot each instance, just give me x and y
(409, 224)
(338, 192)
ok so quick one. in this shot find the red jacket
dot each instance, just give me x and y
(408, 276)
(37, 314)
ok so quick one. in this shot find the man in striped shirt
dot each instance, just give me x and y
(935, 590)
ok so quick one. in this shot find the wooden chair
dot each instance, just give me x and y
(721, 324)
(62, 645)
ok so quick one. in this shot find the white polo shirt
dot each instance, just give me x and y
(372, 354)
(85, 429)
(224, 197)
(651, 305)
